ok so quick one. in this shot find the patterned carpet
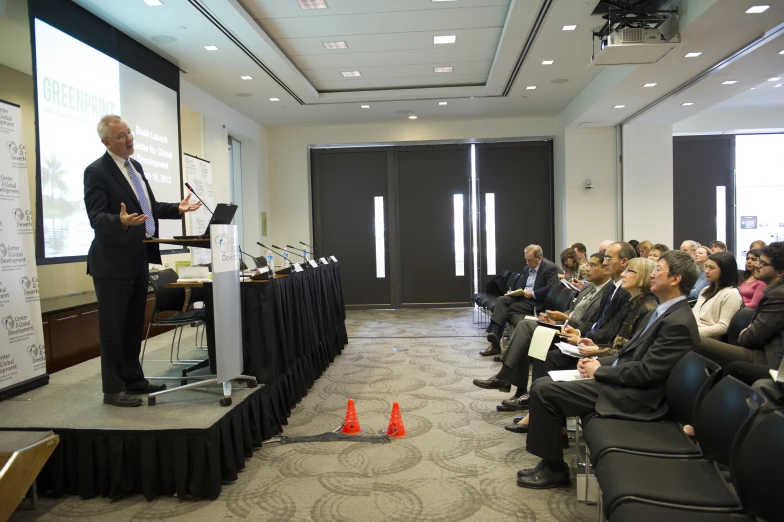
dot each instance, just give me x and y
(456, 462)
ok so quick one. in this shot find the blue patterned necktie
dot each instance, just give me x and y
(149, 225)
(599, 321)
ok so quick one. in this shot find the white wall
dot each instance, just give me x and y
(647, 183)
(290, 219)
(733, 120)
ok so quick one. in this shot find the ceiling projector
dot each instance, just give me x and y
(635, 38)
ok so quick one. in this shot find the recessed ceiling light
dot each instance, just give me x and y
(472, 97)
(687, 104)
(365, 106)
(243, 95)
(312, 4)
(153, 3)
(569, 28)
(778, 84)
(619, 106)
(335, 45)
(773, 79)
(412, 117)
(755, 9)
(547, 62)
(350, 74)
(650, 85)
(729, 82)
(246, 77)
(443, 69)
(692, 55)
(442, 103)
(447, 39)
(274, 99)
(530, 88)
(211, 47)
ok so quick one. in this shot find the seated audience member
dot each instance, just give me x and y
(750, 287)
(601, 328)
(634, 243)
(636, 281)
(757, 244)
(604, 244)
(581, 251)
(763, 341)
(656, 251)
(539, 275)
(572, 266)
(690, 247)
(718, 246)
(630, 385)
(719, 302)
(644, 249)
(700, 256)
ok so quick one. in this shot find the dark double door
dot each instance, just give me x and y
(399, 220)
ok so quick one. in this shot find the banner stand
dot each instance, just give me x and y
(225, 249)
(22, 350)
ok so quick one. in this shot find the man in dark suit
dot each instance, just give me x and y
(539, 277)
(123, 212)
(629, 385)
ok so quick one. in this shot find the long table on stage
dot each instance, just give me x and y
(293, 327)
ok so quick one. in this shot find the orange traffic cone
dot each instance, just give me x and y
(351, 424)
(396, 428)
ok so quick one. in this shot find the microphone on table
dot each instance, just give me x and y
(296, 251)
(258, 261)
(303, 265)
(285, 269)
(197, 197)
(324, 254)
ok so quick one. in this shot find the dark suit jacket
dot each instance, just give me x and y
(116, 253)
(635, 389)
(613, 319)
(546, 278)
(591, 314)
(766, 330)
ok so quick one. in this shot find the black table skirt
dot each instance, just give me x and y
(293, 327)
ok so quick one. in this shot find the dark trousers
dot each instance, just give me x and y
(121, 306)
(549, 404)
(506, 307)
(746, 372)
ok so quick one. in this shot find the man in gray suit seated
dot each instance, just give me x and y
(629, 385)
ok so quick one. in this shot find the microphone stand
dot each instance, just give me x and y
(324, 254)
(286, 269)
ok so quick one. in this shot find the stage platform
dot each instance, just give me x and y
(186, 444)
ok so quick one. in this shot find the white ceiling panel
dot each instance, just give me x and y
(403, 71)
(261, 9)
(343, 61)
(439, 80)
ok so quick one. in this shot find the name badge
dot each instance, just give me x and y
(324, 261)
(334, 259)
(297, 267)
(313, 263)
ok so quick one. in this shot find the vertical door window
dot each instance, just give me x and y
(459, 236)
(380, 238)
(490, 231)
(721, 213)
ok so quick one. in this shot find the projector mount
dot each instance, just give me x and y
(629, 14)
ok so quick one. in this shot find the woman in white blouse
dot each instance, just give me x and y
(721, 299)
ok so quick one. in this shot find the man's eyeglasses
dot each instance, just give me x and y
(123, 136)
(762, 264)
(630, 271)
(657, 269)
(607, 258)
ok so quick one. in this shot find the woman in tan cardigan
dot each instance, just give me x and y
(719, 301)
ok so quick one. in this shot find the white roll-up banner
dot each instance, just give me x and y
(22, 352)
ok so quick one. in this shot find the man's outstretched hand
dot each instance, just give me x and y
(131, 220)
(187, 206)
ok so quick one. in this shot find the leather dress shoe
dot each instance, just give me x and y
(518, 419)
(121, 399)
(493, 349)
(544, 478)
(531, 471)
(497, 359)
(515, 403)
(517, 428)
(493, 384)
(492, 337)
(145, 386)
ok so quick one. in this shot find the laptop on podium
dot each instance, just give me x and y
(222, 216)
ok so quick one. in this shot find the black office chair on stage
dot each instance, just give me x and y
(168, 311)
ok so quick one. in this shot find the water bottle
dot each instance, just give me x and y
(305, 254)
(270, 260)
(286, 257)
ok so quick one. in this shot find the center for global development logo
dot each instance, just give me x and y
(17, 326)
(29, 286)
(18, 154)
(11, 255)
(222, 242)
(24, 220)
(13, 148)
(37, 353)
(8, 322)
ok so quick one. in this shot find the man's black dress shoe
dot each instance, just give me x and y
(516, 403)
(145, 387)
(493, 384)
(497, 359)
(121, 399)
(517, 428)
(544, 478)
(493, 349)
(492, 337)
(531, 471)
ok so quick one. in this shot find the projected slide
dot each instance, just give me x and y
(76, 86)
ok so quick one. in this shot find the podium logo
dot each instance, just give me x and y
(222, 242)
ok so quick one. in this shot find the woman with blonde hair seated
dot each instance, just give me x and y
(719, 302)
(644, 248)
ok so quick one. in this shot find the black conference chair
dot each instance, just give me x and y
(757, 471)
(739, 321)
(168, 311)
(564, 299)
(698, 483)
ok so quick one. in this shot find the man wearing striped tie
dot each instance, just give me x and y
(123, 212)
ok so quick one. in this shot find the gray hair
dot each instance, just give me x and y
(606, 243)
(625, 250)
(103, 125)
(536, 249)
(694, 245)
(681, 264)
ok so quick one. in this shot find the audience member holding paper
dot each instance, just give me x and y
(585, 309)
(630, 385)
